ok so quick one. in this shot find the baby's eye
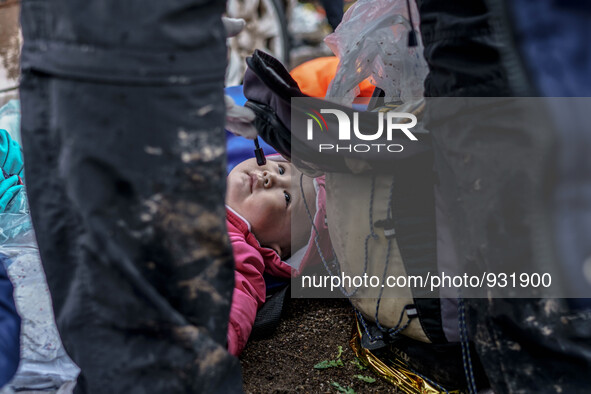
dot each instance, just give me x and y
(287, 198)
(281, 170)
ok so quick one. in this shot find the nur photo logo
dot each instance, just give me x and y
(390, 126)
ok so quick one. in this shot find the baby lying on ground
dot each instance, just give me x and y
(267, 223)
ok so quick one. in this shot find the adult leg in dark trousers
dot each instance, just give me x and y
(123, 116)
(334, 12)
(499, 179)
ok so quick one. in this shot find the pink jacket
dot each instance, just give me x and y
(252, 260)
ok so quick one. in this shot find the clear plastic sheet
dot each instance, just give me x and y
(372, 42)
(44, 362)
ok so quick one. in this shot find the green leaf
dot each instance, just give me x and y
(346, 390)
(329, 364)
(323, 364)
(340, 351)
(358, 364)
(367, 379)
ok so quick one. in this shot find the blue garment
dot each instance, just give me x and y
(10, 326)
(553, 38)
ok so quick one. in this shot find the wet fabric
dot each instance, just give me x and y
(555, 59)
(498, 203)
(123, 136)
(44, 364)
(461, 50)
(334, 11)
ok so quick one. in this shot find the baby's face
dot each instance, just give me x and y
(268, 199)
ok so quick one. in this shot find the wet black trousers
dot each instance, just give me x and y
(496, 179)
(122, 127)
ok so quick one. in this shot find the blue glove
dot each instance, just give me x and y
(10, 193)
(11, 156)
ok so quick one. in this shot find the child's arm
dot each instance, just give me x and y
(278, 268)
(249, 294)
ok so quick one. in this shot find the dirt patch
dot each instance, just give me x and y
(311, 331)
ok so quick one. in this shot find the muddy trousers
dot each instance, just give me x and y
(499, 182)
(123, 136)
